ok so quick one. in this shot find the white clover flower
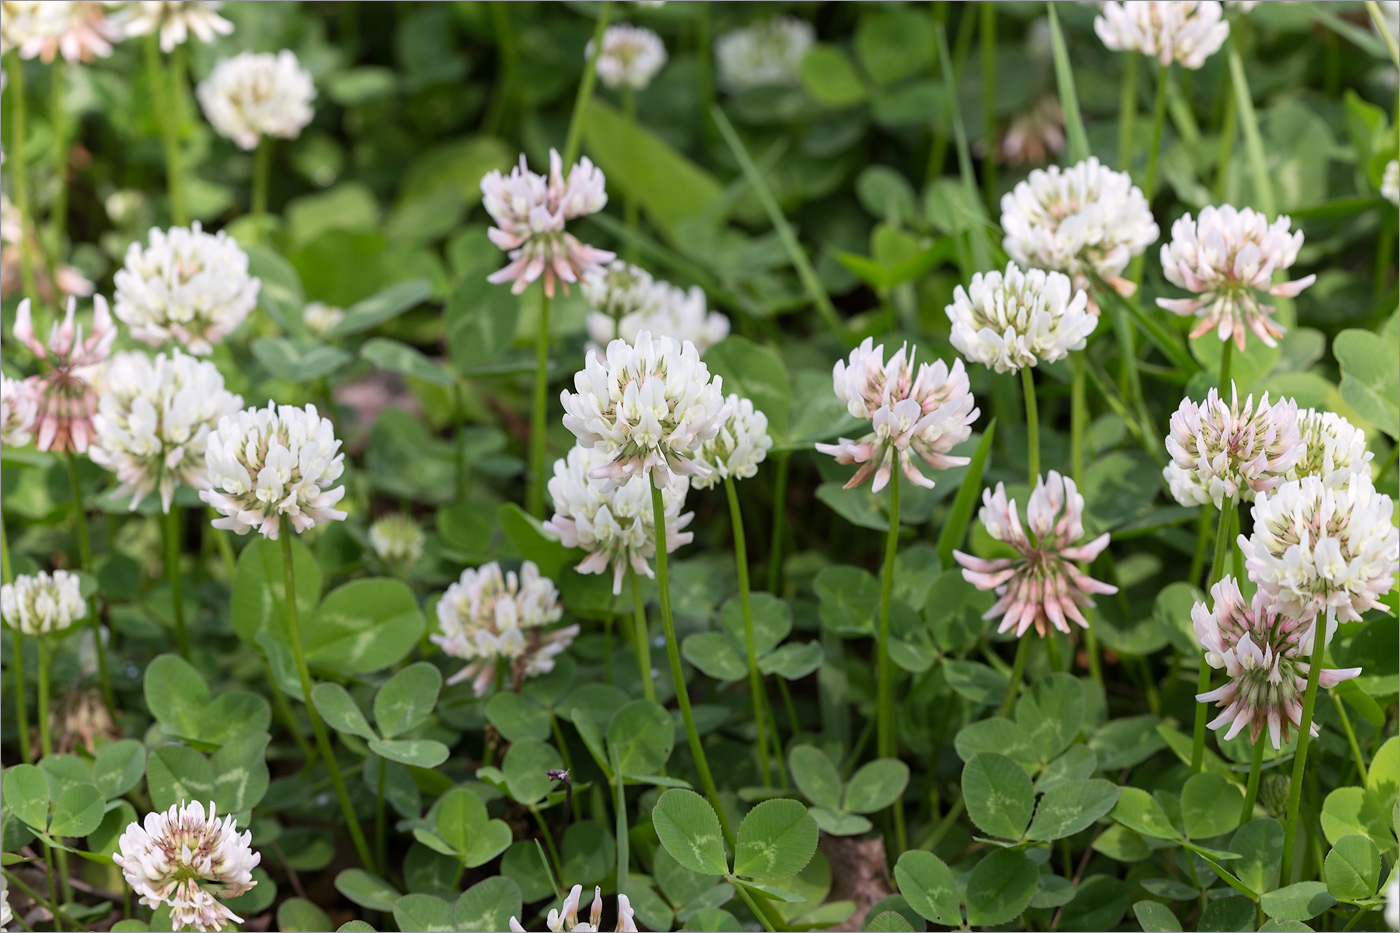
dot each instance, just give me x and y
(1317, 547)
(1392, 898)
(42, 603)
(1225, 256)
(19, 409)
(125, 205)
(1224, 450)
(64, 390)
(1086, 217)
(1267, 657)
(397, 540)
(25, 21)
(669, 311)
(1244, 6)
(175, 20)
(763, 54)
(80, 31)
(646, 408)
(614, 522)
(530, 212)
(188, 286)
(565, 920)
(320, 318)
(257, 94)
(614, 291)
(185, 860)
(926, 414)
(6, 915)
(153, 422)
(1017, 319)
(1183, 31)
(740, 446)
(631, 56)
(1390, 182)
(1333, 448)
(488, 615)
(1035, 134)
(267, 463)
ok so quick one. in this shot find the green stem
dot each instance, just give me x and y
(790, 708)
(381, 845)
(323, 742)
(585, 88)
(1159, 119)
(1249, 124)
(283, 709)
(1228, 125)
(170, 528)
(33, 895)
(775, 544)
(1226, 352)
(85, 563)
(673, 654)
(1217, 570)
(1032, 424)
(1052, 652)
(45, 742)
(1078, 416)
(7, 575)
(1251, 791)
(534, 494)
(1018, 671)
(1300, 757)
(162, 94)
(1383, 27)
(631, 215)
(20, 167)
(741, 563)
(58, 122)
(262, 171)
(1127, 113)
(1198, 558)
(885, 741)
(747, 898)
(704, 61)
(221, 542)
(988, 35)
(641, 637)
(1356, 754)
(548, 842)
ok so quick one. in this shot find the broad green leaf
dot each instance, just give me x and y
(394, 356)
(815, 776)
(1301, 901)
(178, 774)
(233, 716)
(975, 681)
(518, 717)
(407, 699)
(176, 695)
(1000, 887)
(1210, 805)
(876, 785)
(1227, 915)
(1155, 917)
(462, 822)
(715, 655)
(419, 753)
(1139, 811)
(363, 627)
(524, 767)
(793, 660)
(772, 621)
(1099, 903)
(481, 320)
(996, 735)
(588, 853)
(887, 921)
(424, 913)
(998, 795)
(77, 812)
(1077, 763)
(642, 735)
(1353, 868)
(1053, 891)
(240, 773)
(1383, 776)
(776, 839)
(380, 307)
(118, 767)
(849, 596)
(1259, 844)
(689, 829)
(839, 824)
(295, 915)
(527, 535)
(830, 78)
(1071, 807)
(1371, 374)
(488, 905)
(106, 838)
(928, 885)
(259, 600)
(894, 44)
(298, 363)
(64, 771)
(340, 711)
(711, 920)
(1349, 810)
(367, 890)
(757, 374)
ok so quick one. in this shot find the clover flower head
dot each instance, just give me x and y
(1041, 584)
(1007, 321)
(1183, 31)
(64, 392)
(79, 30)
(645, 408)
(268, 463)
(1225, 256)
(1035, 134)
(6, 915)
(186, 860)
(1266, 654)
(928, 413)
(188, 287)
(530, 212)
(397, 540)
(19, 409)
(66, 280)
(153, 422)
(668, 311)
(630, 57)
(765, 53)
(1319, 547)
(1390, 182)
(613, 522)
(740, 446)
(257, 94)
(1221, 451)
(614, 291)
(320, 318)
(1084, 218)
(23, 21)
(1334, 449)
(175, 21)
(490, 614)
(42, 603)
(565, 919)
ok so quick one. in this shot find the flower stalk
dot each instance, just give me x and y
(85, 563)
(1217, 570)
(534, 496)
(1032, 424)
(1300, 757)
(170, 533)
(21, 170)
(1251, 791)
(169, 131)
(7, 575)
(585, 87)
(262, 170)
(640, 637)
(741, 563)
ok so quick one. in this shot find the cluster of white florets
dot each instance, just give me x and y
(565, 919)
(1222, 451)
(762, 54)
(397, 540)
(1334, 449)
(175, 21)
(740, 446)
(257, 94)
(630, 57)
(1183, 31)
(42, 603)
(1007, 321)
(18, 411)
(660, 308)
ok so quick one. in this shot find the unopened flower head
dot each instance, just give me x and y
(928, 413)
(614, 291)
(175, 20)
(565, 920)
(153, 422)
(613, 522)
(631, 56)
(1084, 218)
(320, 318)
(1183, 31)
(1390, 182)
(274, 462)
(63, 391)
(184, 859)
(1041, 584)
(1007, 321)
(490, 614)
(763, 54)
(1035, 134)
(1333, 448)
(257, 94)
(530, 212)
(79, 30)
(187, 287)
(740, 446)
(1320, 547)
(1224, 451)
(42, 603)
(668, 311)
(645, 409)
(397, 540)
(1266, 654)
(19, 409)
(1225, 257)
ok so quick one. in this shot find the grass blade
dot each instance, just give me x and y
(960, 515)
(1069, 101)
(976, 234)
(1253, 142)
(1162, 338)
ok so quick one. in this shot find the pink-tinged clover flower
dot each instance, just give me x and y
(175, 21)
(926, 412)
(1265, 652)
(19, 409)
(565, 920)
(1221, 451)
(531, 211)
(1225, 256)
(1042, 584)
(64, 392)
